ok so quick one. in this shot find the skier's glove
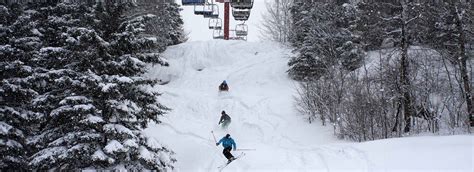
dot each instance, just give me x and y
(217, 144)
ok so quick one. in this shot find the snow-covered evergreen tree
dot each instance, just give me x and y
(327, 42)
(167, 26)
(174, 30)
(300, 22)
(19, 43)
(91, 90)
(124, 97)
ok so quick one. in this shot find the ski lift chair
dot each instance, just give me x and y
(242, 4)
(192, 2)
(241, 15)
(215, 23)
(217, 34)
(211, 11)
(234, 36)
(199, 9)
(243, 38)
(241, 30)
(241, 18)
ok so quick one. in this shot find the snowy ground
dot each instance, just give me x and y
(260, 103)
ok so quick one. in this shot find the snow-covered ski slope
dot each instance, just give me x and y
(261, 104)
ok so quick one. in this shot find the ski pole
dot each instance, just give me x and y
(246, 149)
(213, 136)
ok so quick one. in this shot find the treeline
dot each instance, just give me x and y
(380, 69)
(72, 95)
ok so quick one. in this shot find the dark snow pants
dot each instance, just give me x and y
(227, 153)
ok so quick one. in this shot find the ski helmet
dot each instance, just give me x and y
(227, 135)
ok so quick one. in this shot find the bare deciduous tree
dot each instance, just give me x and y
(276, 23)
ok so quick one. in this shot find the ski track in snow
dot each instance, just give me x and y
(260, 103)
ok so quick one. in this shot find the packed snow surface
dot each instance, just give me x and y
(265, 122)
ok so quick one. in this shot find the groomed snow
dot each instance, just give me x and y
(261, 104)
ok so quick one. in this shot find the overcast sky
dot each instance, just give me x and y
(198, 29)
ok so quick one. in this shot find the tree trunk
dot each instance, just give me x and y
(463, 67)
(404, 75)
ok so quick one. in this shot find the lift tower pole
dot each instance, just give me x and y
(226, 19)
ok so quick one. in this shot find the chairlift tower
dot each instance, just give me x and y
(226, 17)
(207, 9)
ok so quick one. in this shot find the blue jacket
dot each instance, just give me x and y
(227, 142)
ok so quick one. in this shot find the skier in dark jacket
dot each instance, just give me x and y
(227, 143)
(225, 120)
(223, 86)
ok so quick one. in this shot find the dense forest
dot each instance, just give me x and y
(72, 94)
(380, 69)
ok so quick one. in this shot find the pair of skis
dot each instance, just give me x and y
(220, 168)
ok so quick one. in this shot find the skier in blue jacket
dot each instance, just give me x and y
(227, 143)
